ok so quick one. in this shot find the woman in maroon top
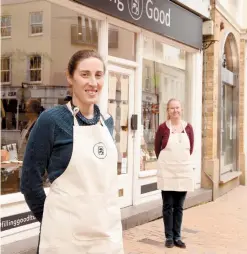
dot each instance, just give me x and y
(174, 142)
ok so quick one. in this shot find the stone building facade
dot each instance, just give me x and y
(223, 130)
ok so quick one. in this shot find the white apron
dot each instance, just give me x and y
(81, 212)
(175, 171)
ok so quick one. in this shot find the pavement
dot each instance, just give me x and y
(218, 227)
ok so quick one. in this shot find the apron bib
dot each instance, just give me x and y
(175, 171)
(81, 212)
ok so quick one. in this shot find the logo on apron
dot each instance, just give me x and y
(99, 150)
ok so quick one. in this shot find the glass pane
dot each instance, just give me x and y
(160, 83)
(36, 17)
(36, 29)
(228, 125)
(35, 62)
(161, 52)
(121, 43)
(69, 33)
(35, 75)
(5, 76)
(119, 109)
(5, 21)
(5, 31)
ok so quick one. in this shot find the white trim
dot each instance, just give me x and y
(103, 50)
(125, 180)
(196, 113)
(7, 199)
(120, 61)
(138, 111)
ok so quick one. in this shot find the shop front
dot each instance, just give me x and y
(152, 50)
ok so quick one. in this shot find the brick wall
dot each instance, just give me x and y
(211, 97)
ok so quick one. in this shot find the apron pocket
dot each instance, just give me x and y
(90, 217)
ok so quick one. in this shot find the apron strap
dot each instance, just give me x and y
(73, 112)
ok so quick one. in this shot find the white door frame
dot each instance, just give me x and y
(125, 180)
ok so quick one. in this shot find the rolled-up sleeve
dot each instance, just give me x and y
(36, 161)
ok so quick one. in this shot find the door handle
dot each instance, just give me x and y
(134, 124)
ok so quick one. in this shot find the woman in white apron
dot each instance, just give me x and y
(174, 143)
(81, 212)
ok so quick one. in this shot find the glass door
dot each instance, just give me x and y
(121, 107)
(228, 131)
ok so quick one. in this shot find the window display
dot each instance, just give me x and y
(164, 77)
(34, 78)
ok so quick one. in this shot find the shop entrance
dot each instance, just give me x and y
(121, 107)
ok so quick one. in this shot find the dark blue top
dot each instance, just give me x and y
(49, 149)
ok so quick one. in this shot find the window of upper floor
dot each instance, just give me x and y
(5, 70)
(35, 69)
(6, 26)
(36, 23)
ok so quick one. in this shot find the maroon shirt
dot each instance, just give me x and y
(162, 136)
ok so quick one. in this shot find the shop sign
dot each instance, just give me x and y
(17, 220)
(159, 16)
(8, 94)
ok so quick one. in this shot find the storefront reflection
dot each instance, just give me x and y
(34, 56)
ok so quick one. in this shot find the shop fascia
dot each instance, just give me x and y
(152, 11)
(161, 17)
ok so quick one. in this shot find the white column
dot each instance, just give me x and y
(138, 111)
(103, 50)
(196, 113)
(245, 112)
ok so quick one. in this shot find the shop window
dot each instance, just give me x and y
(163, 53)
(121, 43)
(36, 23)
(5, 70)
(85, 32)
(35, 68)
(6, 26)
(162, 79)
(36, 78)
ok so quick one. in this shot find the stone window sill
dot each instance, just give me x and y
(229, 176)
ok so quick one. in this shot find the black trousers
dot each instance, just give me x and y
(173, 202)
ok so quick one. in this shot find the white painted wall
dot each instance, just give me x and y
(237, 10)
(200, 6)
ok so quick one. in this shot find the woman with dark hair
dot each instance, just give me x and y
(174, 143)
(73, 143)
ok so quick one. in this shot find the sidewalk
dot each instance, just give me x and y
(218, 227)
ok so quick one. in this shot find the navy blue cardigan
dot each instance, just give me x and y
(49, 148)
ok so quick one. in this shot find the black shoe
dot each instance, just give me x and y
(169, 243)
(179, 244)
